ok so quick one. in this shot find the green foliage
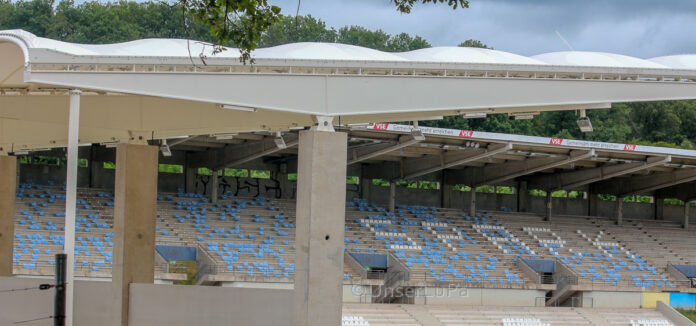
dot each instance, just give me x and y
(171, 168)
(205, 171)
(471, 43)
(461, 188)
(486, 189)
(352, 180)
(432, 185)
(606, 197)
(381, 182)
(243, 173)
(405, 6)
(691, 314)
(379, 40)
(260, 174)
(674, 201)
(537, 193)
(292, 176)
(109, 165)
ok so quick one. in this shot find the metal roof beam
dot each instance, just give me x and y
(368, 152)
(649, 183)
(419, 167)
(495, 174)
(235, 155)
(574, 179)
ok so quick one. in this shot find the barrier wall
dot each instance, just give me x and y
(650, 299)
(683, 300)
(92, 302)
(180, 305)
(478, 297)
(602, 299)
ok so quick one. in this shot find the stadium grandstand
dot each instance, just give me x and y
(192, 195)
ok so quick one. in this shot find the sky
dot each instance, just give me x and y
(640, 28)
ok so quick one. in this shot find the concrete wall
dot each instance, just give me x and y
(92, 302)
(478, 297)
(602, 299)
(174, 305)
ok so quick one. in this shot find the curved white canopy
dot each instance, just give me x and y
(467, 55)
(596, 59)
(682, 61)
(163, 88)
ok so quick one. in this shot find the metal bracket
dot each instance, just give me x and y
(138, 137)
(324, 123)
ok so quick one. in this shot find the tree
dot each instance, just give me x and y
(471, 43)
(243, 22)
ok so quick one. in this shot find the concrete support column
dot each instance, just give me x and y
(659, 208)
(319, 235)
(686, 215)
(522, 194)
(592, 202)
(549, 206)
(8, 184)
(619, 211)
(365, 185)
(392, 196)
(135, 213)
(214, 187)
(472, 202)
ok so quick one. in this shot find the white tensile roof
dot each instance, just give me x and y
(596, 59)
(466, 55)
(682, 61)
(344, 52)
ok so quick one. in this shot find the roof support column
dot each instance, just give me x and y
(392, 196)
(659, 208)
(135, 213)
(549, 206)
(522, 194)
(320, 230)
(472, 202)
(214, 187)
(71, 201)
(686, 214)
(619, 210)
(8, 181)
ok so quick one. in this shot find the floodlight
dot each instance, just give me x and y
(236, 107)
(417, 134)
(164, 148)
(584, 122)
(474, 115)
(279, 141)
(523, 115)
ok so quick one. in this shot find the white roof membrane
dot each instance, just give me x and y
(467, 55)
(596, 59)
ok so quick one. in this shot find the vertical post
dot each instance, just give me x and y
(214, 187)
(59, 301)
(522, 194)
(8, 179)
(619, 210)
(472, 202)
(71, 202)
(659, 208)
(365, 184)
(321, 195)
(135, 213)
(549, 206)
(686, 214)
(392, 196)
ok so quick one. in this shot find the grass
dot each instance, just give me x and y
(691, 314)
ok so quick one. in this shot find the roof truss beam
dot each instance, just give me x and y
(235, 155)
(579, 178)
(495, 174)
(418, 167)
(644, 184)
(368, 152)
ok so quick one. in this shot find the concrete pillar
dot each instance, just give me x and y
(522, 194)
(8, 184)
(392, 196)
(472, 202)
(135, 213)
(659, 208)
(592, 202)
(686, 215)
(214, 187)
(619, 210)
(549, 206)
(190, 176)
(319, 235)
